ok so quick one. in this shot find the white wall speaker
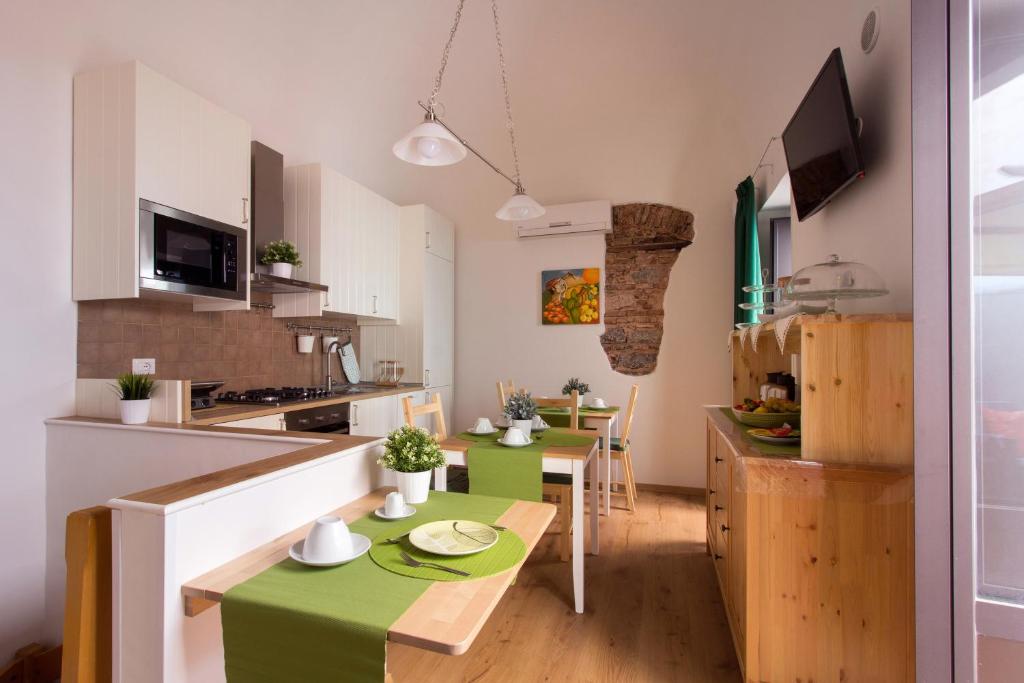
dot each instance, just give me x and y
(869, 31)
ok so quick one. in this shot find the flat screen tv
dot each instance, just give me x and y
(822, 141)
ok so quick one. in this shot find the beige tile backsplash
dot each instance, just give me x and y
(246, 349)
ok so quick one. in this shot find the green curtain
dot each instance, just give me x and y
(747, 269)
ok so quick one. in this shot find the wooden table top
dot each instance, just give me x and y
(445, 619)
(454, 443)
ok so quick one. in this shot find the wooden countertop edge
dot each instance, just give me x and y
(415, 626)
(229, 412)
(843, 318)
(754, 458)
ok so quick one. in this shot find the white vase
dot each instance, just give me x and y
(524, 426)
(414, 486)
(135, 412)
(579, 401)
(282, 270)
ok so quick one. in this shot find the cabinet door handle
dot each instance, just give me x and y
(724, 528)
(717, 556)
(245, 210)
(711, 491)
(428, 239)
(355, 415)
(374, 303)
(719, 508)
(426, 378)
(717, 459)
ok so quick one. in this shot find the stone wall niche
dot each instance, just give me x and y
(640, 251)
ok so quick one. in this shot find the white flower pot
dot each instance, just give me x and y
(414, 486)
(282, 269)
(579, 401)
(524, 426)
(135, 412)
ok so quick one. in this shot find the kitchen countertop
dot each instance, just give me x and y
(229, 412)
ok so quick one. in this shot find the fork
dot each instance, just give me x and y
(413, 562)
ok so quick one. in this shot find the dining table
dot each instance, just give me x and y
(571, 460)
(445, 618)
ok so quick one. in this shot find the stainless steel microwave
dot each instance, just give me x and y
(188, 254)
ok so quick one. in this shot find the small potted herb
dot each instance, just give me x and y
(135, 392)
(581, 388)
(412, 454)
(282, 257)
(520, 409)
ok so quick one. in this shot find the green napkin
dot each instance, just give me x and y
(763, 447)
(559, 417)
(496, 470)
(298, 623)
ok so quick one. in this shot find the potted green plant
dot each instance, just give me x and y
(412, 454)
(135, 392)
(520, 409)
(581, 388)
(282, 257)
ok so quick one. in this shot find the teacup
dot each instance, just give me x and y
(598, 403)
(329, 540)
(514, 436)
(538, 422)
(483, 425)
(394, 504)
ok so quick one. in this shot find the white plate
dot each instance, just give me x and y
(439, 538)
(360, 544)
(409, 512)
(515, 445)
(476, 433)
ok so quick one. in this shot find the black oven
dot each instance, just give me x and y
(185, 253)
(329, 419)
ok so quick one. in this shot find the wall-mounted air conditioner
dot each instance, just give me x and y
(580, 218)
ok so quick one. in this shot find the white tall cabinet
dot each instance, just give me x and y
(424, 338)
(139, 135)
(348, 238)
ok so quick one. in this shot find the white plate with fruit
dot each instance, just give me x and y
(783, 436)
(773, 412)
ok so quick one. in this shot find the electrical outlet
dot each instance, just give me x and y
(144, 366)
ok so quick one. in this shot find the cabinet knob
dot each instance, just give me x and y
(717, 556)
(724, 528)
(711, 491)
(719, 508)
(717, 459)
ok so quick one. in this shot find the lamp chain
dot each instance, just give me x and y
(444, 57)
(508, 98)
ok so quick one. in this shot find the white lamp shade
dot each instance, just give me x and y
(520, 207)
(430, 144)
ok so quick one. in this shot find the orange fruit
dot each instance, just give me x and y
(591, 275)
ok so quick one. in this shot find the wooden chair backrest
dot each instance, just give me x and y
(627, 423)
(571, 402)
(431, 407)
(88, 603)
(503, 394)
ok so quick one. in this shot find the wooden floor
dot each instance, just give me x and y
(653, 611)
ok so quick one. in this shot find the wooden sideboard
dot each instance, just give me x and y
(814, 549)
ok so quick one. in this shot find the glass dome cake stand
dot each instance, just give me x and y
(834, 280)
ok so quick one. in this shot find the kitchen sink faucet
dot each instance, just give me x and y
(335, 346)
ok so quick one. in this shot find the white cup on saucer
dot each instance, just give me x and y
(514, 437)
(328, 540)
(394, 504)
(538, 422)
(598, 403)
(483, 425)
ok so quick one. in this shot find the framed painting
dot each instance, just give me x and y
(571, 296)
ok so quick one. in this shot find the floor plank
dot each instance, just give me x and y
(653, 611)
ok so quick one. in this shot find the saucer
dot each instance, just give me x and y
(476, 433)
(409, 512)
(360, 544)
(515, 445)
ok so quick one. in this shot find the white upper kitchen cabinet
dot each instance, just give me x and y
(139, 135)
(424, 338)
(347, 236)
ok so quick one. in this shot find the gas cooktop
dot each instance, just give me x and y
(273, 396)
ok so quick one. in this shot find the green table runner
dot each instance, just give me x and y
(298, 623)
(762, 446)
(504, 554)
(559, 417)
(496, 470)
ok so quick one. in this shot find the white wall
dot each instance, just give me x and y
(651, 100)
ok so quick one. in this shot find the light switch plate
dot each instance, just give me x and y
(144, 366)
